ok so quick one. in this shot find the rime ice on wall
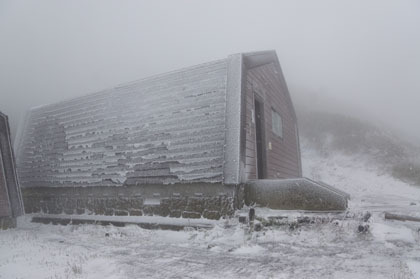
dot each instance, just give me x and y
(165, 129)
(10, 196)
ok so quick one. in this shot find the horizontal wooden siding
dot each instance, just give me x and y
(164, 129)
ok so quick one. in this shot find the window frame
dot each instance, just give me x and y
(277, 124)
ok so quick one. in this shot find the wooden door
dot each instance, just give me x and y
(260, 139)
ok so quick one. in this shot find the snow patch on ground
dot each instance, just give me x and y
(251, 249)
(375, 191)
(387, 233)
(414, 268)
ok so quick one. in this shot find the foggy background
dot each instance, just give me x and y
(356, 57)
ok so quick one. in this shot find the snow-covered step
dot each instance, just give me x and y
(295, 194)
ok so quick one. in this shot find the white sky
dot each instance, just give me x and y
(357, 56)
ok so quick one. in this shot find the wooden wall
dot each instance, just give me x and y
(10, 195)
(283, 160)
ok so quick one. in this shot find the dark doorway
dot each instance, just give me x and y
(259, 129)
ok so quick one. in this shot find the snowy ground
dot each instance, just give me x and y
(391, 249)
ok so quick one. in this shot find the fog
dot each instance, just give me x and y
(358, 57)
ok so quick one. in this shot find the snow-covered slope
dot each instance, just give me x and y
(369, 163)
(371, 188)
(378, 148)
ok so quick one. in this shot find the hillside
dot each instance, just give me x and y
(383, 150)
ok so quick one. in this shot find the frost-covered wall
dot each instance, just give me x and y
(165, 129)
(10, 195)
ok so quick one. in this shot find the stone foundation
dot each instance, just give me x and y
(7, 223)
(211, 201)
(295, 194)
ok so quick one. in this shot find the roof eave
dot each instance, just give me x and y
(260, 58)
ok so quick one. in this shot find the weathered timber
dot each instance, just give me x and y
(11, 204)
(145, 224)
(391, 216)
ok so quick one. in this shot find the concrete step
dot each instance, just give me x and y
(295, 194)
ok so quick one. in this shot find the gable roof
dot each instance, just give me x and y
(260, 58)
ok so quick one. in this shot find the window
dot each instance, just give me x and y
(276, 123)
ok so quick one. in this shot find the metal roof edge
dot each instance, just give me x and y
(232, 152)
